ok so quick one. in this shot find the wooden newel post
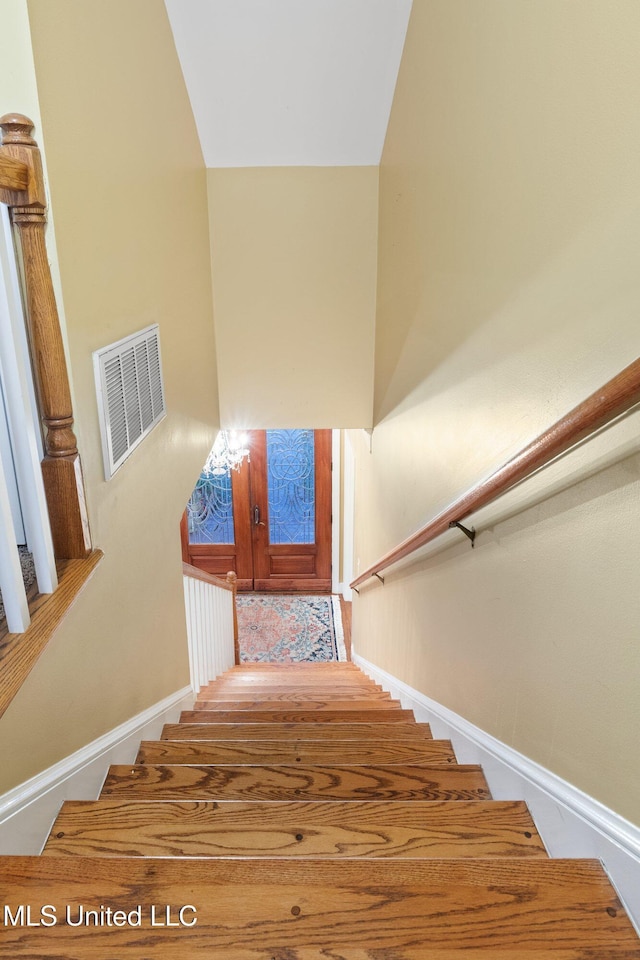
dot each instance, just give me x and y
(61, 465)
(232, 578)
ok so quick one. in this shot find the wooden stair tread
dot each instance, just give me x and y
(268, 752)
(514, 909)
(236, 688)
(305, 704)
(296, 731)
(413, 830)
(296, 695)
(297, 665)
(293, 715)
(307, 685)
(298, 677)
(302, 782)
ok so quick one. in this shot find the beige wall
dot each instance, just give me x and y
(508, 290)
(128, 190)
(294, 266)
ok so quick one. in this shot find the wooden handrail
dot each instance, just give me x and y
(197, 574)
(616, 397)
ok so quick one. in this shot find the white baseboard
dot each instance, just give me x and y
(571, 823)
(27, 811)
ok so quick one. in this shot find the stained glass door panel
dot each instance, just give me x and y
(210, 510)
(291, 489)
(291, 486)
(216, 529)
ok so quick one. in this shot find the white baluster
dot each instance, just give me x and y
(13, 593)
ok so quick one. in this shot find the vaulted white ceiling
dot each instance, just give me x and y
(290, 82)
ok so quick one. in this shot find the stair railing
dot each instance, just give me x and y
(212, 624)
(23, 508)
(48, 471)
(22, 190)
(616, 398)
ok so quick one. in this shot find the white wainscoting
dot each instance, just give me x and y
(571, 823)
(27, 811)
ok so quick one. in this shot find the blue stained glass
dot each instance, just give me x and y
(210, 510)
(291, 486)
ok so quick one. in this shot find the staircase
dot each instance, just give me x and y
(298, 813)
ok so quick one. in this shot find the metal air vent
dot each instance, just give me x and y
(130, 394)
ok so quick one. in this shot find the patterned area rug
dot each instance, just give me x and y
(277, 628)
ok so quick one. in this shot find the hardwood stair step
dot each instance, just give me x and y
(231, 691)
(415, 830)
(342, 667)
(295, 694)
(304, 704)
(302, 782)
(396, 732)
(285, 753)
(294, 673)
(293, 715)
(481, 909)
(296, 677)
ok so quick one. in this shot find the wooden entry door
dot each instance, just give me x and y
(271, 520)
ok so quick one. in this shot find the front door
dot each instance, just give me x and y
(270, 521)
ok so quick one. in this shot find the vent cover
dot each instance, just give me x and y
(130, 394)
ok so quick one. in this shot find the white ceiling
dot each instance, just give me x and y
(290, 82)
